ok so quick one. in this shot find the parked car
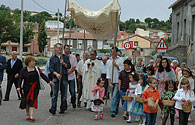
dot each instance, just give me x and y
(100, 56)
(168, 57)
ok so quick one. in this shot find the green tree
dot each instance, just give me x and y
(138, 21)
(42, 36)
(6, 27)
(28, 34)
(122, 26)
(4, 8)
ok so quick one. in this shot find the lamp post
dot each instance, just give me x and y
(21, 31)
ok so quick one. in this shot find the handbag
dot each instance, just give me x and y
(23, 103)
(41, 81)
(151, 104)
(187, 107)
(97, 100)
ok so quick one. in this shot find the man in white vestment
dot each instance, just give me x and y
(91, 72)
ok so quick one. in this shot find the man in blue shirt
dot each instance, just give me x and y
(14, 65)
(58, 66)
(3, 65)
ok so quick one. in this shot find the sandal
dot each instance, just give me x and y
(31, 118)
(28, 117)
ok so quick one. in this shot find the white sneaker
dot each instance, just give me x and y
(137, 119)
(129, 120)
(144, 120)
(125, 116)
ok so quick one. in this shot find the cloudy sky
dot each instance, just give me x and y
(138, 9)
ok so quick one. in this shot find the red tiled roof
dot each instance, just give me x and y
(134, 36)
(123, 36)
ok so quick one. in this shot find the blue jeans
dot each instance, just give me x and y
(115, 99)
(72, 90)
(63, 90)
(124, 102)
(122, 93)
(150, 118)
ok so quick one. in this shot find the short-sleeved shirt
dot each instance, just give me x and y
(116, 72)
(80, 66)
(150, 94)
(124, 80)
(73, 62)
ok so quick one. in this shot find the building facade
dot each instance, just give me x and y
(136, 41)
(183, 31)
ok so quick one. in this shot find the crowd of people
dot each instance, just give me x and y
(140, 88)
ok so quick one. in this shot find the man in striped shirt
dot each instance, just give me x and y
(124, 80)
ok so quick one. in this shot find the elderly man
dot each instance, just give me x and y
(14, 65)
(3, 65)
(104, 71)
(107, 55)
(92, 71)
(79, 69)
(151, 63)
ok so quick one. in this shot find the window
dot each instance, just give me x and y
(80, 44)
(89, 43)
(131, 42)
(177, 31)
(100, 44)
(193, 28)
(14, 48)
(25, 49)
(135, 43)
(184, 34)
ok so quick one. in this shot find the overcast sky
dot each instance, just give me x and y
(138, 9)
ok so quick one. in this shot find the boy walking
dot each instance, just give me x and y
(150, 92)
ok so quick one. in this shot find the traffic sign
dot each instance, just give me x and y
(127, 45)
(162, 44)
(161, 51)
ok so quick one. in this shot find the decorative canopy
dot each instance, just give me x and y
(100, 23)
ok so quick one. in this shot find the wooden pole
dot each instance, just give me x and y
(58, 25)
(63, 42)
(70, 29)
(113, 56)
(66, 2)
(84, 41)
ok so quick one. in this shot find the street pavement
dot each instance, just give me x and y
(10, 114)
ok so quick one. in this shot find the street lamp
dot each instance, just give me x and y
(21, 31)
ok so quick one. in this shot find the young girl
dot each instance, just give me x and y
(187, 73)
(169, 93)
(98, 94)
(137, 107)
(185, 94)
(150, 71)
(134, 78)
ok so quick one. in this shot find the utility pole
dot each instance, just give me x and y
(63, 41)
(21, 31)
(58, 25)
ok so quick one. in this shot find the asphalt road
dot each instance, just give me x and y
(10, 114)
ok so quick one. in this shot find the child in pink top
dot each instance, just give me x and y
(97, 104)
